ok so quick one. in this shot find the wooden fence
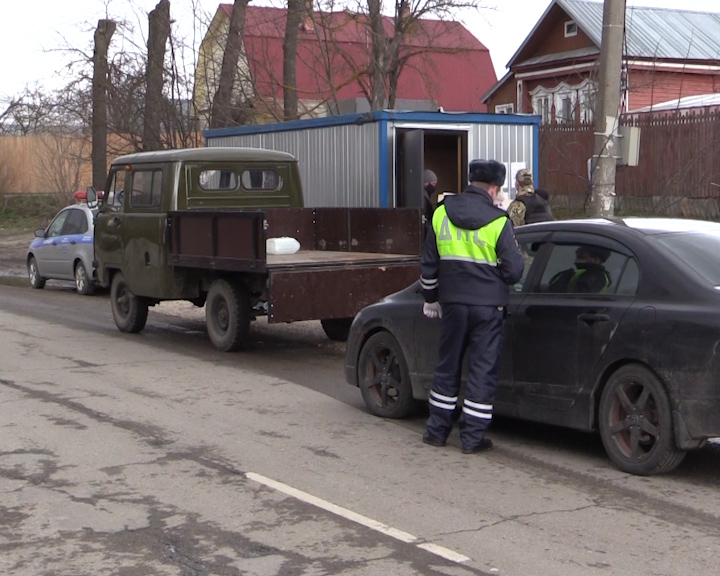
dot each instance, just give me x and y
(54, 163)
(679, 159)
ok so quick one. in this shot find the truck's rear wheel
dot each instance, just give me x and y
(129, 311)
(227, 315)
(337, 329)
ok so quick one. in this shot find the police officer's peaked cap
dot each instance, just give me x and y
(487, 172)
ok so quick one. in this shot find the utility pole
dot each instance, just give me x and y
(607, 115)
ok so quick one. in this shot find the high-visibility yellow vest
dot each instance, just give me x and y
(478, 246)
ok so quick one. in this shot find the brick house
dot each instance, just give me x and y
(446, 65)
(669, 54)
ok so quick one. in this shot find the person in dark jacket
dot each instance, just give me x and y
(469, 259)
(545, 195)
(589, 275)
(528, 207)
(429, 194)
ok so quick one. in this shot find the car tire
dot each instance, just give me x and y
(129, 311)
(337, 329)
(384, 378)
(636, 423)
(36, 281)
(83, 283)
(227, 315)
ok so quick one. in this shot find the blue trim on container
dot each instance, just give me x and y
(377, 116)
(383, 190)
(536, 153)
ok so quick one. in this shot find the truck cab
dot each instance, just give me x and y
(132, 231)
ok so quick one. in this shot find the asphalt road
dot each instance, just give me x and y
(156, 454)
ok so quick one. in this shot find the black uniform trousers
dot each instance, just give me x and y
(479, 329)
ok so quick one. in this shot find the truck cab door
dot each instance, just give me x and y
(108, 226)
(144, 251)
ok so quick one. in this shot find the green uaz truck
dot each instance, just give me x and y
(192, 225)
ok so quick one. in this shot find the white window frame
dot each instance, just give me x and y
(505, 108)
(520, 88)
(571, 29)
(542, 103)
(544, 99)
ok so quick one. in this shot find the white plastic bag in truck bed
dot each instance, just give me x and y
(282, 245)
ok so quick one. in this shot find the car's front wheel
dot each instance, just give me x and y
(384, 378)
(636, 423)
(36, 281)
(129, 311)
(83, 283)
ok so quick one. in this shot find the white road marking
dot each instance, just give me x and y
(358, 518)
(443, 552)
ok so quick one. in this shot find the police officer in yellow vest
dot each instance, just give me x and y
(469, 260)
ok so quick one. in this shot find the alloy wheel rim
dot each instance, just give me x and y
(634, 421)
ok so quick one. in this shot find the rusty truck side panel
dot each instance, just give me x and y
(338, 292)
(348, 258)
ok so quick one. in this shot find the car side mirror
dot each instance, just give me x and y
(40, 233)
(91, 197)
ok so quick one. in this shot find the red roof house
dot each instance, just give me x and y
(446, 65)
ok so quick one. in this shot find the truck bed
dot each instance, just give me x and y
(349, 257)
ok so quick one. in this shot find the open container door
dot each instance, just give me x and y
(410, 191)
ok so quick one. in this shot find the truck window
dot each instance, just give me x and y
(260, 179)
(114, 196)
(146, 188)
(218, 180)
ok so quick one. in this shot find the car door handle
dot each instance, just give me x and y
(115, 222)
(592, 317)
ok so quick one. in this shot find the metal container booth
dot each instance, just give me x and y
(378, 158)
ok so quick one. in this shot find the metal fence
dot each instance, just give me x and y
(679, 157)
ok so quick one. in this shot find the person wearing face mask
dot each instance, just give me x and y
(589, 275)
(429, 195)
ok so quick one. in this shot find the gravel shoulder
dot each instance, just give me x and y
(13, 249)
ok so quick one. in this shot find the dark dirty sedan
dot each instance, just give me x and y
(634, 353)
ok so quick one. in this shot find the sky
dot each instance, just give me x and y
(33, 42)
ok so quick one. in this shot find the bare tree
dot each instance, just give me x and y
(222, 113)
(391, 53)
(103, 33)
(295, 10)
(378, 64)
(158, 34)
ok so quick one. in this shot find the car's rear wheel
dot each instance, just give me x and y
(36, 281)
(337, 329)
(83, 283)
(636, 423)
(384, 378)
(227, 315)
(129, 311)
